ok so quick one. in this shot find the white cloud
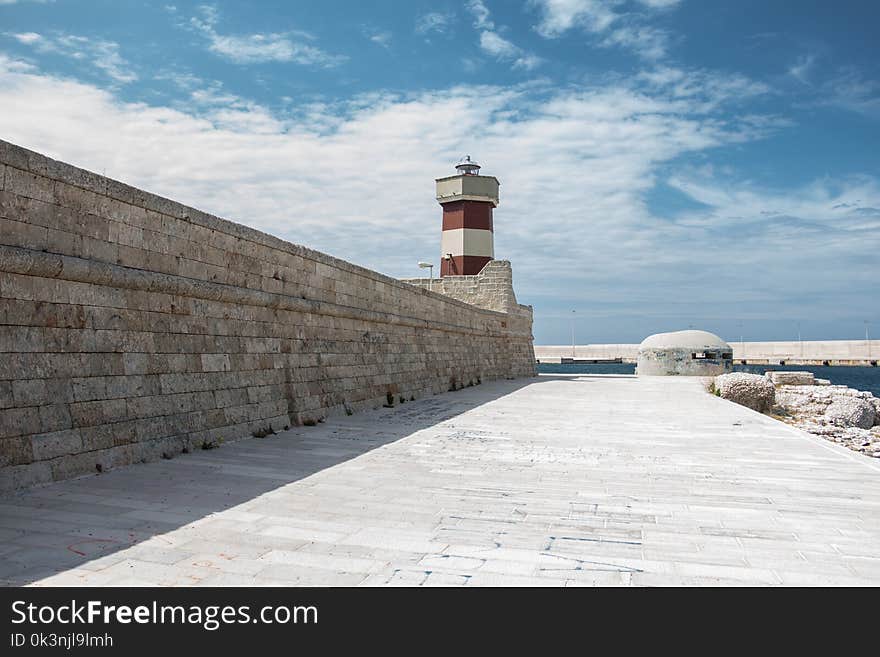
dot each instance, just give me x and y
(803, 253)
(701, 91)
(497, 46)
(102, 54)
(846, 87)
(559, 16)
(648, 42)
(11, 65)
(801, 69)
(383, 39)
(492, 43)
(380, 38)
(842, 206)
(849, 89)
(576, 164)
(183, 80)
(470, 65)
(435, 22)
(261, 47)
(601, 18)
(480, 13)
(27, 38)
(527, 62)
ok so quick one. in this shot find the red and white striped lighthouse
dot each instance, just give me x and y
(468, 200)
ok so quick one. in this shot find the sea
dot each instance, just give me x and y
(860, 378)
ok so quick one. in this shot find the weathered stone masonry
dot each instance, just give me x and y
(133, 327)
(492, 288)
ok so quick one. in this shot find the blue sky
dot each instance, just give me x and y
(664, 163)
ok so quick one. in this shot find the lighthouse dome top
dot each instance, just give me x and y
(467, 166)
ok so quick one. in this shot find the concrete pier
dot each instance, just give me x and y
(813, 352)
(553, 481)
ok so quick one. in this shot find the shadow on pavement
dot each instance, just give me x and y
(52, 529)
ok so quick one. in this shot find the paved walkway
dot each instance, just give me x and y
(578, 480)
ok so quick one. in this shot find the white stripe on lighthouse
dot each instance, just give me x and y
(468, 241)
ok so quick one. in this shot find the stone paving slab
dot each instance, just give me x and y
(582, 480)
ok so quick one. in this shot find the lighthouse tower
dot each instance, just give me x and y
(467, 199)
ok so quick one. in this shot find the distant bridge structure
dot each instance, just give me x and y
(807, 352)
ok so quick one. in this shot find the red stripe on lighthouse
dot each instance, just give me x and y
(467, 214)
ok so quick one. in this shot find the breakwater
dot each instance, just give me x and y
(807, 352)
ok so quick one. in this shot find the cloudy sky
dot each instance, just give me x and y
(664, 163)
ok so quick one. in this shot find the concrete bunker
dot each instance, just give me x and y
(684, 353)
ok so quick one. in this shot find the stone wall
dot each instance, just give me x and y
(492, 288)
(133, 327)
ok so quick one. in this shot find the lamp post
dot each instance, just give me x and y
(742, 343)
(430, 267)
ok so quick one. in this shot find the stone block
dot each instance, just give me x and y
(55, 417)
(6, 398)
(29, 392)
(118, 212)
(76, 465)
(89, 389)
(135, 363)
(124, 433)
(792, 378)
(97, 249)
(74, 198)
(98, 437)
(131, 257)
(215, 363)
(24, 235)
(29, 185)
(24, 476)
(228, 398)
(13, 155)
(150, 428)
(15, 451)
(58, 443)
(61, 241)
(19, 422)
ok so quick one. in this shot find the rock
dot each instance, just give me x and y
(842, 415)
(791, 378)
(850, 412)
(751, 390)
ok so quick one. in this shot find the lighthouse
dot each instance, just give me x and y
(467, 199)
